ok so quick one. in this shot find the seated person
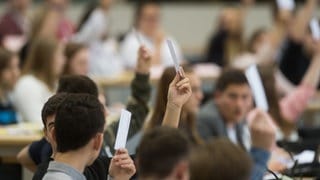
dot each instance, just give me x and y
(30, 157)
(224, 115)
(9, 74)
(220, 159)
(100, 166)
(163, 154)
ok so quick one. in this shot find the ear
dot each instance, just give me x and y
(181, 171)
(98, 141)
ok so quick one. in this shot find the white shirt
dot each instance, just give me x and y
(103, 57)
(130, 46)
(29, 96)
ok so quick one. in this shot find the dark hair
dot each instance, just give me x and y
(160, 150)
(5, 58)
(268, 81)
(70, 51)
(77, 84)
(220, 159)
(78, 119)
(230, 76)
(51, 106)
(139, 8)
(188, 123)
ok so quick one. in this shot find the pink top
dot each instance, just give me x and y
(293, 104)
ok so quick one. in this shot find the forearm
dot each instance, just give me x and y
(172, 116)
(313, 73)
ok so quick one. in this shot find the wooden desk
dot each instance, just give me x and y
(207, 72)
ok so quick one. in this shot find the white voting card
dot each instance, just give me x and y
(286, 4)
(136, 33)
(174, 56)
(256, 85)
(315, 29)
(124, 124)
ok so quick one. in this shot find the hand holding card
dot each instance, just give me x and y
(123, 129)
(174, 58)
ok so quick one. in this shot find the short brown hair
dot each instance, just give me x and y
(230, 76)
(160, 150)
(40, 60)
(220, 159)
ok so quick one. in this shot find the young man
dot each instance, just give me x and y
(224, 115)
(77, 136)
(163, 154)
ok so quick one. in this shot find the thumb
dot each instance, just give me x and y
(175, 80)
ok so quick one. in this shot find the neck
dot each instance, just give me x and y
(75, 159)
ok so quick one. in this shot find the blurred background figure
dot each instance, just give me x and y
(41, 73)
(15, 25)
(77, 59)
(148, 28)
(9, 74)
(93, 30)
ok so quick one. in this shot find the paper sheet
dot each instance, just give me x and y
(136, 33)
(286, 4)
(174, 56)
(124, 124)
(315, 29)
(256, 85)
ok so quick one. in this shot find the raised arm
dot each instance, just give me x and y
(302, 20)
(178, 94)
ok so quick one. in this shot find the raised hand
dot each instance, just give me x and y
(122, 166)
(144, 60)
(262, 129)
(179, 90)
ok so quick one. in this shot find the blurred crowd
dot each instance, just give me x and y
(46, 61)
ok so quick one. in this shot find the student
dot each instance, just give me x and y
(40, 76)
(147, 23)
(14, 22)
(190, 109)
(138, 105)
(79, 144)
(163, 154)
(96, 171)
(93, 30)
(219, 159)
(286, 111)
(224, 115)
(9, 74)
(298, 51)
(77, 59)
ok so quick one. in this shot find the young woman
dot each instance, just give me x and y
(43, 68)
(190, 109)
(9, 74)
(77, 59)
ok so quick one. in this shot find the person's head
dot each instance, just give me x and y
(219, 159)
(163, 154)
(105, 4)
(79, 124)
(45, 61)
(231, 20)
(9, 70)
(233, 95)
(269, 84)
(281, 16)
(20, 5)
(77, 84)
(189, 110)
(257, 40)
(48, 115)
(59, 4)
(148, 17)
(77, 59)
